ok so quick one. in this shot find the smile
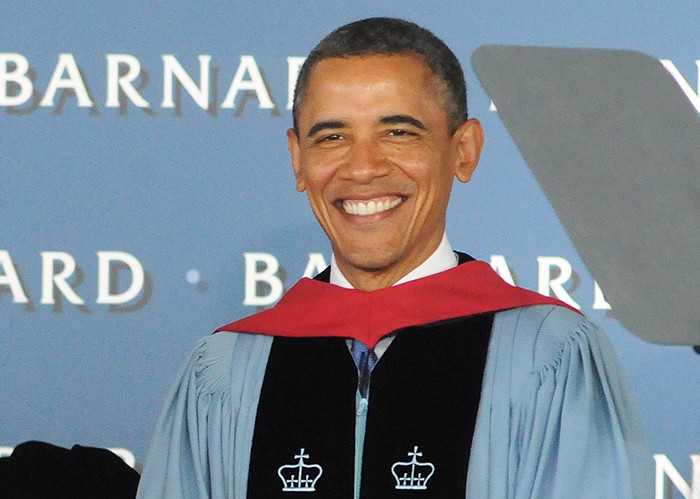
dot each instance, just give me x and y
(372, 206)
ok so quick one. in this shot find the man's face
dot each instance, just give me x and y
(376, 157)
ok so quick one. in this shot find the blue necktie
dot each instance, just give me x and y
(365, 359)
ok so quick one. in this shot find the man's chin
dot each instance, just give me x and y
(371, 262)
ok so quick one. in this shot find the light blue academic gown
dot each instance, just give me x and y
(556, 417)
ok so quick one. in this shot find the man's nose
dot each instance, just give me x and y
(365, 161)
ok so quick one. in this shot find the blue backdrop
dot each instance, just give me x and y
(184, 188)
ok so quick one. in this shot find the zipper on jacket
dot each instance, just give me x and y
(360, 425)
(362, 403)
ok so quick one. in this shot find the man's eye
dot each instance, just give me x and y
(398, 133)
(331, 137)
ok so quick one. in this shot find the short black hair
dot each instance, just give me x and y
(389, 36)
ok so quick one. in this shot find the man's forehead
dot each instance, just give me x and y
(333, 82)
(408, 59)
(355, 76)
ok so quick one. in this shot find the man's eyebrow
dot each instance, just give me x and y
(324, 125)
(399, 119)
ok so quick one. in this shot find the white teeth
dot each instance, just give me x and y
(370, 207)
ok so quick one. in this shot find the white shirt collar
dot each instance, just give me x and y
(443, 258)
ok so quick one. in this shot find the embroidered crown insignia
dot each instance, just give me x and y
(299, 477)
(412, 475)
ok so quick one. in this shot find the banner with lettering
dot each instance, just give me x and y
(147, 197)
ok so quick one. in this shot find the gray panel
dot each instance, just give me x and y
(616, 147)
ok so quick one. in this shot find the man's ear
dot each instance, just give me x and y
(293, 146)
(469, 139)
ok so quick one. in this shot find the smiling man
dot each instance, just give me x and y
(405, 369)
(377, 153)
